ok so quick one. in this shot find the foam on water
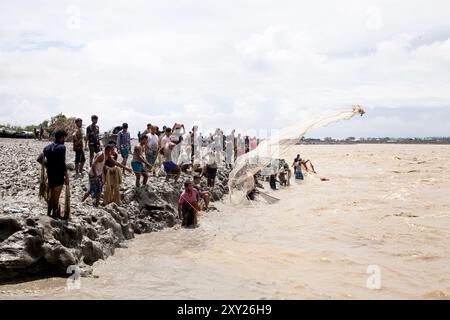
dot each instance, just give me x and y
(317, 242)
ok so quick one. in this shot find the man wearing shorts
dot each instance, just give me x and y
(96, 175)
(205, 195)
(170, 167)
(124, 144)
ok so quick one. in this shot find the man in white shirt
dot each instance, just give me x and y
(178, 132)
(185, 157)
(152, 148)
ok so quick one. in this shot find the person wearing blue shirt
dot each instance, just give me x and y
(57, 175)
(124, 144)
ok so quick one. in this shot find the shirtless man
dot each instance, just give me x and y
(170, 167)
(93, 138)
(139, 163)
(124, 144)
(299, 163)
(96, 175)
(187, 211)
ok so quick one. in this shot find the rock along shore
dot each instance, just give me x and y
(32, 244)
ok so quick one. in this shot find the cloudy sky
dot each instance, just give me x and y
(235, 64)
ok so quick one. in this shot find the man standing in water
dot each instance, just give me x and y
(124, 144)
(299, 163)
(187, 205)
(96, 175)
(57, 175)
(80, 158)
(93, 139)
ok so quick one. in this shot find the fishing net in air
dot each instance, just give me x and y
(241, 179)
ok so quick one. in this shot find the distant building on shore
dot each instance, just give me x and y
(385, 140)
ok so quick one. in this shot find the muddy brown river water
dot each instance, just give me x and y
(383, 218)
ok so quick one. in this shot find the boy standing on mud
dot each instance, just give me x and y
(57, 176)
(93, 139)
(80, 158)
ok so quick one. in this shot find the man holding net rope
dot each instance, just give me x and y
(54, 159)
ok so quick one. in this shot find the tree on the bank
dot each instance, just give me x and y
(61, 122)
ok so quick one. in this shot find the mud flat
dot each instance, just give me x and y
(34, 245)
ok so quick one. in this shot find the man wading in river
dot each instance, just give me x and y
(152, 147)
(57, 176)
(187, 205)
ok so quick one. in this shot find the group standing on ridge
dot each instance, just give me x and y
(157, 153)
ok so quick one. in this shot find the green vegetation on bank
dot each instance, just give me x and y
(60, 121)
(56, 122)
(28, 128)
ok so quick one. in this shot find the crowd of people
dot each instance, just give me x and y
(283, 175)
(168, 152)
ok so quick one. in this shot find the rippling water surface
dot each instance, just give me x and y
(384, 205)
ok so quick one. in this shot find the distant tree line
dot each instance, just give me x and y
(28, 128)
(60, 121)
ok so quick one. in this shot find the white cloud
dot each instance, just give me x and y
(259, 64)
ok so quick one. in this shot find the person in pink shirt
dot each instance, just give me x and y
(187, 205)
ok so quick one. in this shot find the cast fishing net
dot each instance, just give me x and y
(241, 179)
